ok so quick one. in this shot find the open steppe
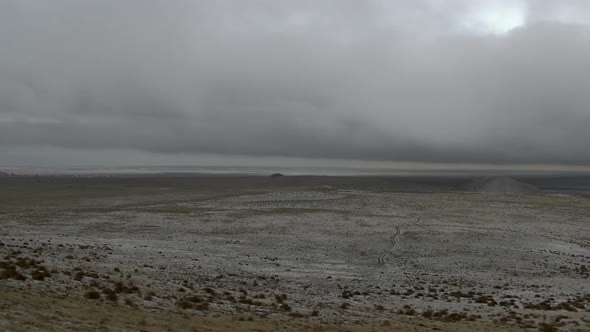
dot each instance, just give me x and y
(196, 252)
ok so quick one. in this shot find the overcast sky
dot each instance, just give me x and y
(500, 82)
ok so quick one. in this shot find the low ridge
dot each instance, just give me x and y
(502, 185)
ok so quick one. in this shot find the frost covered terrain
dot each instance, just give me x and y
(312, 253)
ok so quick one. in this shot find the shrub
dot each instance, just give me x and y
(110, 295)
(184, 304)
(296, 314)
(92, 295)
(40, 274)
(11, 273)
(149, 295)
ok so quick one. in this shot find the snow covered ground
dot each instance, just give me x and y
(332, 255)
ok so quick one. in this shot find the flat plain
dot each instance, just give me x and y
(207, 253)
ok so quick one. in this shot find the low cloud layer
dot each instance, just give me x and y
(472, 82)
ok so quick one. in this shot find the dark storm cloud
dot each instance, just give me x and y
(367, 80)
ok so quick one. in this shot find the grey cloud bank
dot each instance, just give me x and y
(366, 80)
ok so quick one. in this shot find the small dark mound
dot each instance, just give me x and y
(502, 185)
(277, 175)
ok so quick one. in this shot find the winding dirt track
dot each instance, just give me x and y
(381, 258)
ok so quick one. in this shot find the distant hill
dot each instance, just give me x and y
(4, 174)
(502, 185)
